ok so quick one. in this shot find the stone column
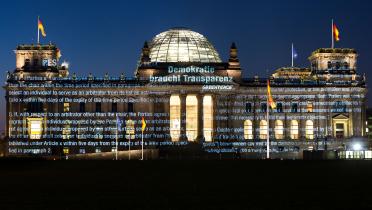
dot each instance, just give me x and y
(200, 137)
(183, 136)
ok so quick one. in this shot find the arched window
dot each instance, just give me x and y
(191, 117)
(294, 129)
(263, 129)
(207, 117)
(175, 117)
(309, 129)
(279, 129)
(248, 129)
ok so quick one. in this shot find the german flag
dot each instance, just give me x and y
(270, 100)
(143, 124)
(336, 33)
(58, 53)
(41, 28)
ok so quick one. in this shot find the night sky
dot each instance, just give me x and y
(107, 36)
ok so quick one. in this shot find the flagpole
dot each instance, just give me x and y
(130, 136)
(116, 151)
(333, 42)
(292, 54)
(38, 31)
(142, 145)
(117, 130)
(267, 117)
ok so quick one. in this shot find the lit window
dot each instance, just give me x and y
(66, 131)
(294, 129)
(175, 117)
(248, 129)
(309, 129)
(279, 129)
(66, 151)
(309, 107)
(66, 107)
(130, 132)
(208, 117)
(35, 127)
(191, 117)
(263, 129)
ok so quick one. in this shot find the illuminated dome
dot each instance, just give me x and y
(182, 45)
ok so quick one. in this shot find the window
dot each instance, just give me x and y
(98, 107)
(294, 129)
(346, 65)
(66, 150)
(130, 131)
(339, 130)
(66, 131)
(329, 65)
(309, 107)
(66, 107)
(114, 107)
(130, 107)
(279, 107)
(27, 62)
(309, 129)
(207, 117)
(175, 117)
(294, 107)
(191, 117)
(263, 129)
(82, 107)
(248, 107)
(35, 62)
(338, 65)
(279, 129)
(248, 129)
(35, 127)
(263, 107)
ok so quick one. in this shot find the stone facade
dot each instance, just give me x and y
(49, 112)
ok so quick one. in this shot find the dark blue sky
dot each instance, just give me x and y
(107, 36)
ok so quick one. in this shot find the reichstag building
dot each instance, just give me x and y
(187, 95)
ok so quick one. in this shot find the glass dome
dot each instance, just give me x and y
(182, 45)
